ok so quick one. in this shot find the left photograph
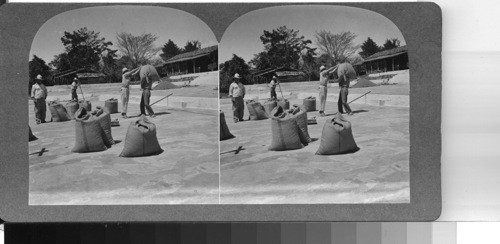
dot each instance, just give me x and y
(123, 108)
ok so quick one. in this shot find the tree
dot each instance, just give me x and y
(368, 48)
(61, 62)
(169, 50)
(37, 66)
(283, 47)
(339, 47)
(391, 43)
(137, 50)
(110, 68)
(84, 48)
(191, 46)
(227, 70)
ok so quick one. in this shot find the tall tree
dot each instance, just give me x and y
(227, 70)
(339, 47)
(169, 50)
(61, 62)
(191, 46)
(137, 50)
(368, 48)
(261, 61)
(110, 68)
(283, 47)
(84, 48)
(37, 66)
(391, 43)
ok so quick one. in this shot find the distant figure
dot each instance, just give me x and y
(74, 87)
(323, 89)
(273, 84)
(126, 77)
(146, 86)
(346, 73)
(237, 93)
(39, 94)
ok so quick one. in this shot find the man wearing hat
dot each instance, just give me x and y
(39, 94)
(273, 84)
(323, 89)
(237, 93)
(74, 87)
(126, 77)
(346, 73)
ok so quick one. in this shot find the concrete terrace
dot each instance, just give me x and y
(377, 173)
(187, 172)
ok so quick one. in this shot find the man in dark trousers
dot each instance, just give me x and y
(146, 86)
(74, 87)
(39, 94)
(273, 84)
(237, 93)
(346, 73)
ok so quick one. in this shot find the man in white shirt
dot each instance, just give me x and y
(323, 89)
(237, 93)
(39, 94)
(125, 88)
(74, 87)
(273, 84)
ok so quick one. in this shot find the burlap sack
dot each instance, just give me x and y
(300, 116)
(105, 122)
(269, 105)
(141, 139)
(58, 112)
(86, 104)
(309, 104)
(111, 106)
(32, 137)
(284, 103)
(284, 131)
(337, 137)
(88, 133)
(224, 130)
(256, 110)
(71, 108)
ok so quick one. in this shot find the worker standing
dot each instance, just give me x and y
(273, 84)
(237, 93)
(74, 87)
(146, 86)
(324, 73)
(39, 94)
(346, 73)
(126, 76)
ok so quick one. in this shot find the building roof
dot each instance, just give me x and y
(192, 55)
(284, 71)
(387, 53)
(89, 75)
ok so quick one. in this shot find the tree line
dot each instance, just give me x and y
(284, 47)
(86, 49)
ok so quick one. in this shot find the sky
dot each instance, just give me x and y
(242, 37)
(166, 23)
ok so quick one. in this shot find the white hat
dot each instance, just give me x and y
(39, 77)
(237, 76)
(124, 69)
(76, 78)
(274, 77)
(322, 68)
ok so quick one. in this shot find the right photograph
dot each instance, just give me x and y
(314, 108)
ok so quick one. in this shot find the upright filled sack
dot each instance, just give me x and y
(256, 110)
(309, 104)
(141, 139)
(71, 108)
(111, 106)
(269, 105)
(58, 112)
(337, 137)
(284, 103)
(284, 130)
(224, 130)
(88, 133)
(104, 120)
(85, 104)
(32, 137)
(300, 116)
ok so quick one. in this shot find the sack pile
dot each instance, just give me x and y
(58, 112)
(256, 110)
(269, 105)
(111, 106)
(104, 120)
(285, 131)
(141, 139)
(32, 137)
(224, 130)
(337, 137)
(284, 103)
(310, 104)
(89, 133)
(71, 108)
(299, 114)
(85, 104)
